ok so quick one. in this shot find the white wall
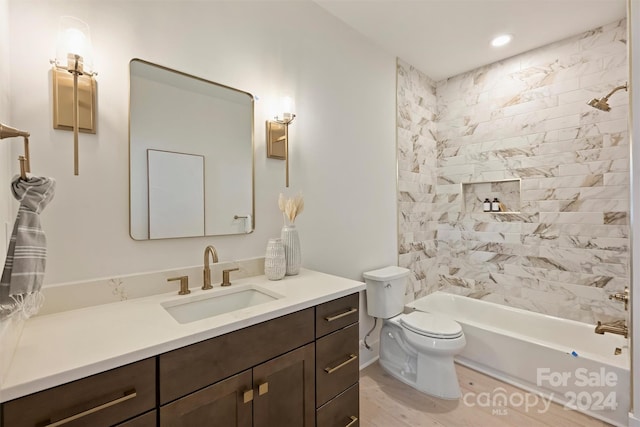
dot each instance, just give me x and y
(634, 59)
(342, 142)
(5, 145)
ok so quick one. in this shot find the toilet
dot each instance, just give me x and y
(417, 348)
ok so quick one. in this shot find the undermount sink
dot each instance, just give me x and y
(198, 307)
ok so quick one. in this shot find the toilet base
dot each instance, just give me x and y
(431, 374)
(447, 390)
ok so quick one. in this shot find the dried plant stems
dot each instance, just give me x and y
(291, 208)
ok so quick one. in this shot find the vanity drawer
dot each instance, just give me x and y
(337, 366)
(342, 411)
(104, 399)
(150, 419)
(336, 314)
(196, 366)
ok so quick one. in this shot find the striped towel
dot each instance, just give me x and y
(23, 272)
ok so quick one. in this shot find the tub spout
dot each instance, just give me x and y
(618, 327)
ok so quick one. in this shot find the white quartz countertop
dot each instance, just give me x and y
(57, 348)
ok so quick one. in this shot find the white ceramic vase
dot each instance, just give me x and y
(275, 263)
(292, 253)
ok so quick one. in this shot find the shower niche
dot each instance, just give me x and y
(506, 191)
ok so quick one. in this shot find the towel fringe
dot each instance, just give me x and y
(26, 305)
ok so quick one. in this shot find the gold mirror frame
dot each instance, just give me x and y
(138, 219)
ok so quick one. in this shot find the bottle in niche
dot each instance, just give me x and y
(486, 205)
(495, 205)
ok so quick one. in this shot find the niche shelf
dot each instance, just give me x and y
(507, 191)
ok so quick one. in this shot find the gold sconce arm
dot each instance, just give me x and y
(25, 162)
(74, 103)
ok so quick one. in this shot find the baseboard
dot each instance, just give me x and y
(633, 421)
(369, 362)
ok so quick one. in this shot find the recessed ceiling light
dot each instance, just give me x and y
(501, 40)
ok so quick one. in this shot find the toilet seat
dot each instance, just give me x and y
(431, 325)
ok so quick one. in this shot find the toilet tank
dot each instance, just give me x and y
(385, 291)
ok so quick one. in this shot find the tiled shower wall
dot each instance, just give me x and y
(525, 118)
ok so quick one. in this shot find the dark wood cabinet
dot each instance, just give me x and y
(228, 402)
(190, 368)
(341, 411)
(337, 367)
(337, 363)
(103, 399)
(286, 390)
(298, 370)
(146, 420)
(280, 392)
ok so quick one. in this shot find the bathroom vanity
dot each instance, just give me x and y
(293, 363)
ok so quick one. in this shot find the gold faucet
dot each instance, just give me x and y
(622, 297)
(617, 327)
(207, 271)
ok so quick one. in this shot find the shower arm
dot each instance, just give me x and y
(624, 86)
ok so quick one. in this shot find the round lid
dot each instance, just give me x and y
(387, 273)
(431, 324)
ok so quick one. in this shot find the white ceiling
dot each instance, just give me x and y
(443, 38)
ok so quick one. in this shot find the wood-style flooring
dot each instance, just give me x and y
(387, 402)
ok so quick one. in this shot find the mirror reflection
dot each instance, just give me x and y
(190, 155)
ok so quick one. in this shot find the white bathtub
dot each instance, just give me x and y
(559, 359)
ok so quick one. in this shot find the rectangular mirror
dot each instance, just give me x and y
(190, 155)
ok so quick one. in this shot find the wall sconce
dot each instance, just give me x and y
(278, 135)
(74, 86)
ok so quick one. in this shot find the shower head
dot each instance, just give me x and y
(602, 104)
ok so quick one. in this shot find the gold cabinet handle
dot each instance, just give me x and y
(247, 396)
(341, 315)
(117, 401)
(353, 421)
(351, 358)
(263, 388)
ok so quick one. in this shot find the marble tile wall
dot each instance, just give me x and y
(418, 203)
(526, 117)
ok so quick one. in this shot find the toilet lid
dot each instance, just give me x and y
(431, 325)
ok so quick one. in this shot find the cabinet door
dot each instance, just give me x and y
(223, 404)
(285, 390)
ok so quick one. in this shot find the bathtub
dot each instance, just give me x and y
(557, 359)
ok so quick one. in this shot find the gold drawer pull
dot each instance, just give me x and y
(263, 388)
(341, 315)
(351, 358)
(353, 421)
(247, 396)
(128, 396)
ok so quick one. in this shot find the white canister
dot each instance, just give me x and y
(275, 263)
